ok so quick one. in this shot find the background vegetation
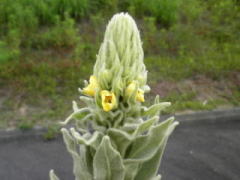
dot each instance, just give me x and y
(47, 48)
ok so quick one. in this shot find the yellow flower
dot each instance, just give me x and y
(140, 95)
(108, 100)
(92, 86)
(131, 88)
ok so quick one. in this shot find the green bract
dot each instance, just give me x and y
(126, 140)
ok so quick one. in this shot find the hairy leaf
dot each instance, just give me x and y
(52, 175)
(80, 168)
(144, 147)
(107, 162)
(121, 139)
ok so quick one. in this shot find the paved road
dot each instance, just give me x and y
(201, 150)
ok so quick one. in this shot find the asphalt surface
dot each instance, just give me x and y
(197, 150)
(203, 151)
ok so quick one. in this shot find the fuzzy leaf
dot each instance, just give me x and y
(131, 170)
(121, 139)
(157, 99)
(87, 100)
(158, 177)
(150, 168)
(107, 162)
(74, 114)
(80, 168)
(93, 141)
(155, 109)
(52, 175)
(145, 125)
(87, 158)
(144, 147)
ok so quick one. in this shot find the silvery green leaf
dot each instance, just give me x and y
(131, 170)
(118, 118)
(82, 124)
(150, 168)
(107, 162)
(121, 139)
(145, 125)
(98, 127)
(87, 157)
(157, 99)
(93, 141)
(74, 114)
(131, 120)
(145, 146)
(80, 168)
(155, 109)
(75, 106)
(158, 177)
(129, 127)
(52, 175)
(87, 100)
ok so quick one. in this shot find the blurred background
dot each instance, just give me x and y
(48, 47)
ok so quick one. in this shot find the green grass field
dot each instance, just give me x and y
(47, 49)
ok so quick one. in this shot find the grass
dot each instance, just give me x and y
(52, 132)
(47, 51)
(25, 125)
(190, 104)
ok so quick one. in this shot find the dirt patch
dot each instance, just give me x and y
(164, 88)
(205, 88)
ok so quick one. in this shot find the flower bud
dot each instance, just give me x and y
(132, 90)
(92, 87)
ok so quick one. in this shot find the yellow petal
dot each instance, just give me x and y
(131, 88)
(88, 91)
(108, 100)
(92, 86)
(140, 95)
(93, 81)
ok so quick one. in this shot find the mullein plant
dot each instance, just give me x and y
(116, 137)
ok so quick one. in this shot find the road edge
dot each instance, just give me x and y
(195, 117)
